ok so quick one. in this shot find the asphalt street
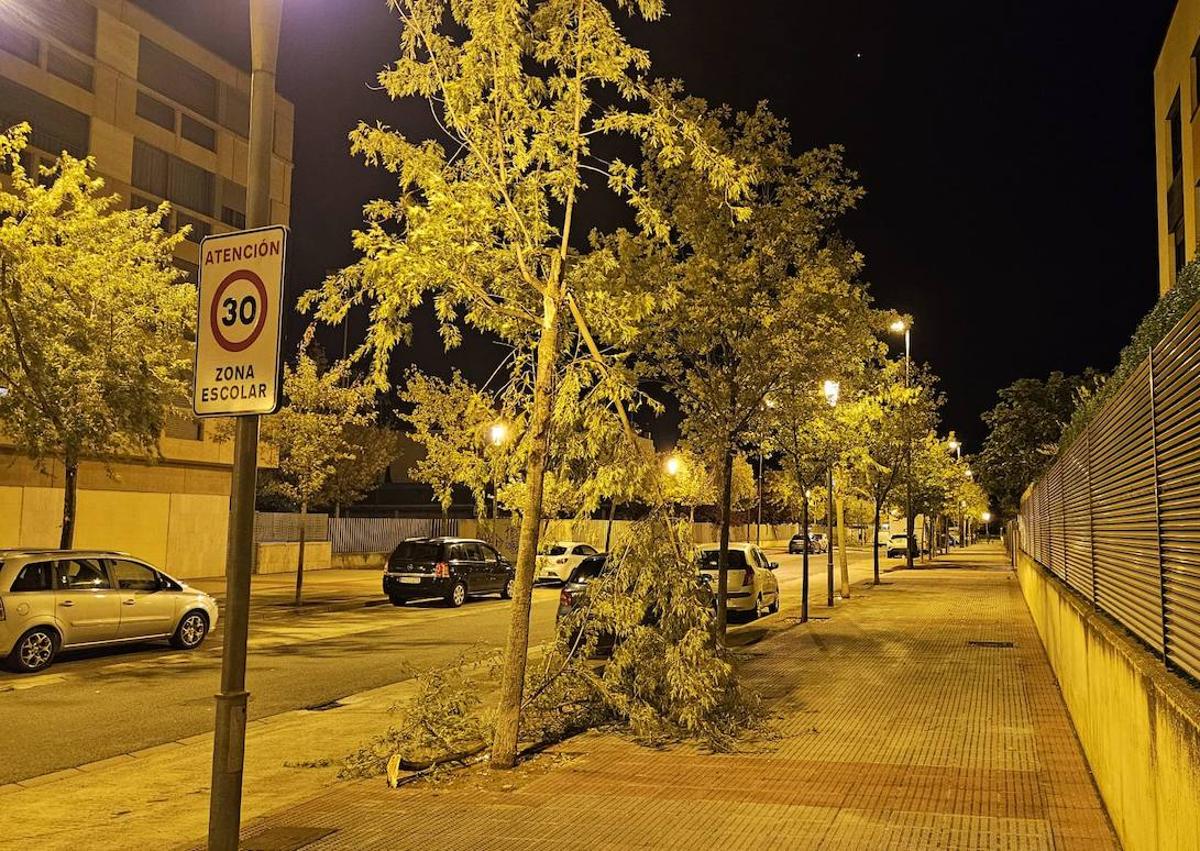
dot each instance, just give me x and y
(97, 704)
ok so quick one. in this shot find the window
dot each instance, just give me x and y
(177, 78)
(233, 204)
(1175, 217)
(588, 569)
(489, 554)
(62, 64)
(55, 127)
(169, 177)
(473, 552)
(197, 132)
(584, 550)
(191, 274)
(73, 22)
(236, 114)
(132, 576)
(18, 42)
(1176, 134)
(83, 574)
(155, 111)
(710, 560)
(556, 550)
(183, 427)
(197, 229)
(35, 576)
(233, 218)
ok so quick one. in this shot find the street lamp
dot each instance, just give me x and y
(986, 517)
(498, 433)
(673, 465)
(901, 326)
(831, 389)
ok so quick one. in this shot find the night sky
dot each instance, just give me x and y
(1007, 150)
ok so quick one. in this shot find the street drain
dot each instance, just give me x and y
(324, 707)
(981, 643)
(285, 838)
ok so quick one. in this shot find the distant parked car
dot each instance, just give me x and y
(52, 600)
(449, 568)
(895, 547)
(557, 559)
(752, 585)
(816, 543)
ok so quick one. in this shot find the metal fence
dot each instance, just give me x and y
(381, 534)
(277, 526)
(1117, 518)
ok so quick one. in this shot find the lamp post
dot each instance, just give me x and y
(497, 434)
(986, 517)
(902, 327)
(229, 732)
(830, 389)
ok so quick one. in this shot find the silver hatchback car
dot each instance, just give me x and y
(55, 599)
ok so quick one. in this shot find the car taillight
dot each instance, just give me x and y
(441, 570)
(748, 576)
(566, 598)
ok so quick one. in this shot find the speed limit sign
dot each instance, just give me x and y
(240, 323)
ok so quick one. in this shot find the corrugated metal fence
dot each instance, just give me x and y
(1117, 518)
(381, 534)
(275, 526)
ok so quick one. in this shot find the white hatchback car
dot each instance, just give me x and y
(558, 558)
(751, 577)
(55, 599)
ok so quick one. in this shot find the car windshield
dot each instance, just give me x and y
(554, 550)
(417, 551)
(710, 560)
(898, 537)
(588, 570)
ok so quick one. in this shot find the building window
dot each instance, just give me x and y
(191, 272)
(167, 176)
(197, 132)
(197, 229)
(236, 112)
(19, 43)
(73, 22)
(155, 111)
(177, 78)
(234, 218)
(55, 126)
(233, 204)
(62, 64)
(183, 427)
(1175, 217)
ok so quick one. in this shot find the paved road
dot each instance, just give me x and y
(97, 704)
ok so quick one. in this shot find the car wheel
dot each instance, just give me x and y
(457, 595)
(774, 607)
(506, 592)
(396, 599)
(191, 631)
(34, 651)
(758, 607)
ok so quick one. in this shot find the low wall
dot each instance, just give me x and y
(1139, 724)
(359, 561)
(283, 557)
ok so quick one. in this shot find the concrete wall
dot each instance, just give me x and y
(283, 557)
(1139, 724)
(359, 561)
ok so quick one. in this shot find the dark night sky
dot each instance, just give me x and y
(1006, 148)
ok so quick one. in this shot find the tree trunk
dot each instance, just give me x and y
(516, 650)
(70, 491)
(804, 561)
(843, 561)
(300, 562)
(723, 552)
(875, 543)
(612, 513)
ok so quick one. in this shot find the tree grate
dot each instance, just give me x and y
(983, 643)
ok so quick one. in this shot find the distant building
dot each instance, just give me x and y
(165, 120)
(1177, 143)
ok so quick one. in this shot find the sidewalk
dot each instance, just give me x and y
(898, 731)
(324, 590)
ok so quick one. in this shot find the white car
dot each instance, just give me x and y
(56, 599)
(752, 585)
(558, 558)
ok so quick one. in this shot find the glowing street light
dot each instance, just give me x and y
(498, 433)
(673, 465)
(901, 326)
(831, 389)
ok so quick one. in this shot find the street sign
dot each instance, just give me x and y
(240, 323)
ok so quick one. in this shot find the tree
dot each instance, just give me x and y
(94, 322)
(486, 227)
(312, 435)
(372, 450)
(1024, 429)
(756, 300)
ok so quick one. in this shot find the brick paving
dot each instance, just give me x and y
(895, 733)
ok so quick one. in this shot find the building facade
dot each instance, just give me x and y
(1177, 141)
(168, 120)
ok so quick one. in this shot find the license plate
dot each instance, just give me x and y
(410, 580)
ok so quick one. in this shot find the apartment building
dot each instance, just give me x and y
(1177, 141)
(165, 119)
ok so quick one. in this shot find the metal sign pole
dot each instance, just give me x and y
(225, 802)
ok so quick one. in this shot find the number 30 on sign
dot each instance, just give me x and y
(240, 323)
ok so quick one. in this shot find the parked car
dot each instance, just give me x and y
(816, 543)
(449, 568)
(573, 597)
(51, 600)
(557, 559)
(895, 547)
(752, 585)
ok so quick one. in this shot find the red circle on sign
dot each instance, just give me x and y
(230, 279)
